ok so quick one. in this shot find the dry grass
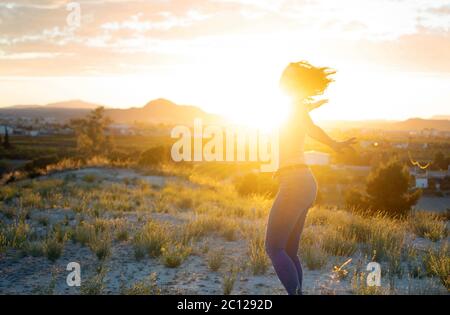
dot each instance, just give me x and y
(174, 253)
(257, 257)
(134, 213)
(314, 257)
(151, 240)
(437, 264)
(215, 259)
(229, 279)
(428, 225)
(53, 248)
(147, 287)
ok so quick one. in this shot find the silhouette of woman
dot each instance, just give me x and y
(301, 82)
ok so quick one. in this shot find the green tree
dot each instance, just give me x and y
(440, 162)
(387, 190)
(91, 133)
(6, 143)
(155, 156)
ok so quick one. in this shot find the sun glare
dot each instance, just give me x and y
(269, 113)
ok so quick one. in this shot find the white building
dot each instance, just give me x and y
(9, 129)
(317, 158)
(121, 129)
(421, 182)
(401, 145)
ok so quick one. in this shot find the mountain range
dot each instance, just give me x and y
(155, 112)
(166, 112)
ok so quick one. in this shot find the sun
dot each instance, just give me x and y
(269, 113)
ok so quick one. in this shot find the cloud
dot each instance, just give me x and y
(30, 55)
(183, 30)
(167, 21)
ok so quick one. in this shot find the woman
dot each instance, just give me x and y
(301, 82)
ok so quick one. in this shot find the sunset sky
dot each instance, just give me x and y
(226, 56)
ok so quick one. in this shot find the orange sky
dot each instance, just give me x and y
(392, 56)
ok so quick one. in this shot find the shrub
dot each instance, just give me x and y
(258, 259)
(122, 235)
(84, 233)
(384, 241)
(40, 163)
(16, 235)
(5, 166)
(229, 280)
(154, 156)
(387, 190)
(336, 244)
(314, 257)
(428, 225)
(437, 263)
(8, 192)
(91, 136)
(215, 259)
(146, 287)
(150, 240)
(101, 246)
(174, 254)
(90, 178)
(96, 284)
(200, 227)
(35, 249)
(256, 184)
(53, 248)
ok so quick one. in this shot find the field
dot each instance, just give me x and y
(176, 231)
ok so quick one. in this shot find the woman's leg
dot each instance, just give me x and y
(283, 219)
(287, 216)
(293, 244)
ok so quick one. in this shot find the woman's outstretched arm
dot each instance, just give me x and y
(320, 135)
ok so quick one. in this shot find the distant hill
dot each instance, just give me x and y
(60, 112)
(156, 111)
(162, 111)
(72, 104)
(441, 117)
(419, 124)
(409, 124)
(78, 104)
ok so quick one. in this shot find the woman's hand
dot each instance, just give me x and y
(339, 146)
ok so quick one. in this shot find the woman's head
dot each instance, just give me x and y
(301, 80)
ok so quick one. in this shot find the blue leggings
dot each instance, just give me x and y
(296, 195)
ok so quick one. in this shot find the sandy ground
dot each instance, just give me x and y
(36, 275)
(436, 204)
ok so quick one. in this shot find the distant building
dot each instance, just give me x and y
(9, 130)
(365, 143)
(421, 182)
(317, 158)
(400, 145)
(121, 129)
(423, 177)
(438, 174)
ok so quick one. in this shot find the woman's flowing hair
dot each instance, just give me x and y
(302, 78)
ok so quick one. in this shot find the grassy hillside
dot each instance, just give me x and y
(142, 234)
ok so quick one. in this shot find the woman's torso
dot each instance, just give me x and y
(291, 141)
